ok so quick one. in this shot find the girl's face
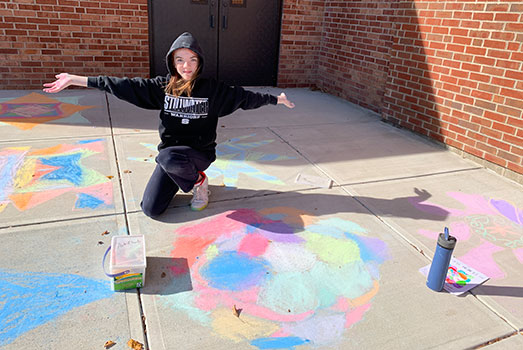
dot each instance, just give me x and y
(186, 63)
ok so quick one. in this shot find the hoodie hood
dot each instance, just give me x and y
(184, 41)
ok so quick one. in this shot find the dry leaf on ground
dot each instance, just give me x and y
(235, 311)
(134, 344)
(109, 344)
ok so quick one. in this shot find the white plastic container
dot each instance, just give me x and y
(128, 262)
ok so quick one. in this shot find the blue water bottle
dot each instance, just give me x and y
(440, 262)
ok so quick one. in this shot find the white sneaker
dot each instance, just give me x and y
(201, 193)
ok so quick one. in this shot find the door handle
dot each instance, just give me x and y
(225, 14)
(212, 11)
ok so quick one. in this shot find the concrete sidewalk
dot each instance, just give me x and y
(305, 266)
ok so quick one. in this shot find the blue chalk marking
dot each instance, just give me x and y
(31, 299)
(278, 343)
(87, 201)
(233, 271)
(82, 142)
(68, 168)
(8, 168)
(371, 249)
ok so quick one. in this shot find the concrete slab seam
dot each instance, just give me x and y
(63, 220)
(335, 183)
(117, 164)
(412, 177)
(126, 218)
(493, 309)
(60, 138)
(492, 341)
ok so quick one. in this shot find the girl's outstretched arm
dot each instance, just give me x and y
(282, 99)
(63, 80)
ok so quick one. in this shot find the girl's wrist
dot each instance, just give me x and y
(79, 80)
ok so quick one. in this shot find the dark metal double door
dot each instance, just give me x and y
(240, 38)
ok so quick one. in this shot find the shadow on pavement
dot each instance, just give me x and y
(166, 276)
(516, 292)
(323, 204)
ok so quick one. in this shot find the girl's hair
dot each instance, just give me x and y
(177, 86)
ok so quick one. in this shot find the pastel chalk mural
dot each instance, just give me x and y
(32, 176)
(35, 109)
(234, 157)
(491, 225)
(298, 280)
(31, 299)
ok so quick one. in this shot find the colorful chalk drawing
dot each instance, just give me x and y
(298, 279)
(233, 159)
(30, 177)
(31, 299)
(34, 109)
(460, 277)
(496, 225)
(457, 278)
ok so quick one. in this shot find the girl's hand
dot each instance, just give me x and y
(282, 99)
(64, 80)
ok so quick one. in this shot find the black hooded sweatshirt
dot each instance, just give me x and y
(184, 121)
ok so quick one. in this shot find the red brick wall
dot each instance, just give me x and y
(41, 38)
(301, 33)
(449, 70)
(341, 47)
(354, 52)
(456, 76)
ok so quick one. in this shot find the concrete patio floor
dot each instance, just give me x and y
(306, 267)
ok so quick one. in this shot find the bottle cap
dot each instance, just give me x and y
(447, 244)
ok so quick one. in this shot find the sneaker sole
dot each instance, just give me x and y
(198, 209)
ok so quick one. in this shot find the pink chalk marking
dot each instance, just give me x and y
(253, 245)
(342, 304)
(519, 254)
(37, 198)
(191, 247)
(481, 258)
(178, 268)
(209, 298)
(103, 191)
(475, 204)
(460, 230)
(96, 146)
(265, 313)
(356, 315)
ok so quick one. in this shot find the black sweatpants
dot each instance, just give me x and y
(176, 168)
